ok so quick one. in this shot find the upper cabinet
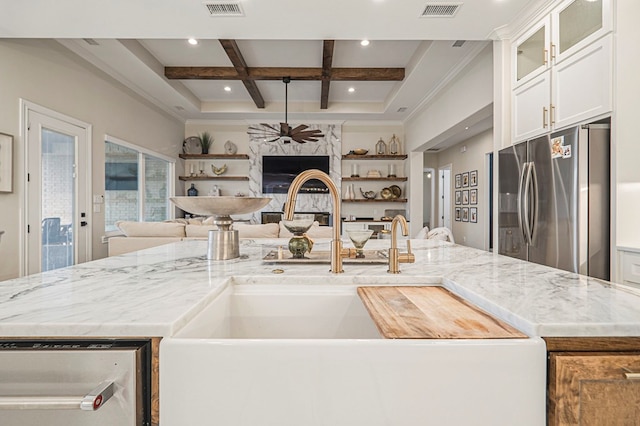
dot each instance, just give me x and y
(578, 23)
(531, 52)
(562, 69)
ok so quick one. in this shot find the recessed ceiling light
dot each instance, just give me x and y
(193, 41)
(364, 42)
(227, 88)
(466, 128)
(352, 89)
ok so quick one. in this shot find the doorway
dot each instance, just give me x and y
(428, 189)
(58, 190)
(444, 201)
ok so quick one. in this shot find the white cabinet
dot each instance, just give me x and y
(629, 266)
(576, 24)
(562, 69)
(582, 85)
(531, 102)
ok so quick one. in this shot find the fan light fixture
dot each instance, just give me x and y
(298, 134)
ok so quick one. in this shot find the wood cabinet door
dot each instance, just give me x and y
(593, 389)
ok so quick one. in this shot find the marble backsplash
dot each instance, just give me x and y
(329, 145)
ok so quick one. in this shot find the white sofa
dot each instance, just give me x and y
(141, 235)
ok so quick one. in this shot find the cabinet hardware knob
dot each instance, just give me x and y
(630, 375)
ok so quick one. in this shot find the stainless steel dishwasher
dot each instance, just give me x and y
(95, 382)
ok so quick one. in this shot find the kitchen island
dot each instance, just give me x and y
(157, 293)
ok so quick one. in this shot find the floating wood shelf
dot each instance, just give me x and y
(376, 200)
(374, 157)
(214, 156)
(389, 179)
(213, 177)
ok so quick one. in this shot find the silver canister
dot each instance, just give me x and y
(223, 245)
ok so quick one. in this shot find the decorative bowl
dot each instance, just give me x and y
(359, 238)
(299, 224)
(360, 151)
(396, 191)
(220, 206)
(386, 193)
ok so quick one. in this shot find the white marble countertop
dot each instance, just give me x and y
(155, 292)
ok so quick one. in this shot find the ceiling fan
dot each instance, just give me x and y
(298, 134)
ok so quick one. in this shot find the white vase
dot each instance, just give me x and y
(350, 193)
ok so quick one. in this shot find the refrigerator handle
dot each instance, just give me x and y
(526, 215)
(534, 201)
(521, 199)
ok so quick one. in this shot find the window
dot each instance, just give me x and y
(138, 184)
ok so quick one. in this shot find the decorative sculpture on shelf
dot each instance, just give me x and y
(369, 195)
(230, 148)
(219, 170)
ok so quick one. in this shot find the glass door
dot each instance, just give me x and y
(531, 53)
(578, 23)
(57, 199)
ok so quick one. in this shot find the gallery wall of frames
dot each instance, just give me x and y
(466, 197)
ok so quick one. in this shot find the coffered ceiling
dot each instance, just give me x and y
(143, 44)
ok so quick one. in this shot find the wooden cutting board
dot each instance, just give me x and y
(430, 312)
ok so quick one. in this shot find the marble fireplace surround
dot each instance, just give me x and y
(329, 145)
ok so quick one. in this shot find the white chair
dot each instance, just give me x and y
(422, 234)
(441, 233)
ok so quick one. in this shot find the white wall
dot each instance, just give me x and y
(465, 96)
(474, 158)
(45, 73)
(625, 125)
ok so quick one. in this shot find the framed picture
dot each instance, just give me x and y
(458, 197)
(6, 163)
(458, 180)
(473, 177)
(465, 196)
(474, 214)
(473, 196)
(458, 217)
(465, 214)
(465, 179)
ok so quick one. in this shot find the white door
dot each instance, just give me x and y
(444, 201)
(58, 191)
(428, 179)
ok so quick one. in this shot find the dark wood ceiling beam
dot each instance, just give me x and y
(327, 60)
(234, 54)
(276, 73)
(367, 74)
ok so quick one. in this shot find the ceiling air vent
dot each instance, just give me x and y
(225, 8)
(91, 41)
(440, 10)
(433, 149)
(402, 109)
(458, 43)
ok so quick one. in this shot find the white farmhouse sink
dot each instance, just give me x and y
(292, 355)
(250, 312)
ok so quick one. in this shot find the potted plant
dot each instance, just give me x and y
(205, 141)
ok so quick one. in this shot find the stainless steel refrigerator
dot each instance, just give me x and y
(554, 200)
